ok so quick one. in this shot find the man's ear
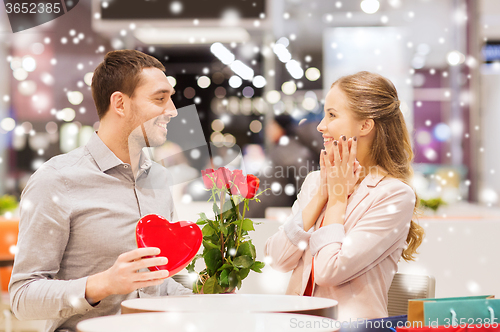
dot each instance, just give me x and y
(367, 127)
(117, 103)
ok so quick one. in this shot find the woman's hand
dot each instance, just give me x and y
(342, 170)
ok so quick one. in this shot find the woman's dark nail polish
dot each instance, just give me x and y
(324, 152)
(343, 137)
(355, 138)
(335, 143)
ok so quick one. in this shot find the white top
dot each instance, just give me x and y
(231, 303)
(208, 322)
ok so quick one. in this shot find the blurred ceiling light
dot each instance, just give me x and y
(20, 74)
(309, 103)
(37, 48)
(242, 70)
(248, 92)
(423, 49)
(29, 64)
(235, 81)
(289, 88)
(8, 124)
(230, 17)
(255, 126)
(313, 74)
(229, 140)
(88, 78)
(418, 62)
(395, 3)
(273, 96)
(67, 114)
(455, 58)
(222, 53)
(283, 41)
(27, 88)
(259, 81)
(75, 97)
(190, 35)
(281, 51)
(47, 79)
(51, 127)
(15, 63)
(217, 125)
(172, 81)
(370, 6)
(203, 82)
(294, 69)
(176, 7)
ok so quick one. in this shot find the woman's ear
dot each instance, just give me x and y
(367, 127)
(117, 103)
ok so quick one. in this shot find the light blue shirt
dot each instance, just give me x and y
(78, 214)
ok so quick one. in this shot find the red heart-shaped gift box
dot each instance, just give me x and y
(178, 241)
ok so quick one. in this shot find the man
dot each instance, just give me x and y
(77, 255)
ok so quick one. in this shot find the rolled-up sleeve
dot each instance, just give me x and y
(340, 258)
(44, 230)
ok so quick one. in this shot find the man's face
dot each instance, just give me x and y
(151, 109)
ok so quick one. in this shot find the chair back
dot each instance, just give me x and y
(408, 286)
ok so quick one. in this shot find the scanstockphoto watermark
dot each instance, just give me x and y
(360, 323)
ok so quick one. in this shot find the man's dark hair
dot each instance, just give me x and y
(119, 71)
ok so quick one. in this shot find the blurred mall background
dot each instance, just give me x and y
(251, 76)
(255, 74)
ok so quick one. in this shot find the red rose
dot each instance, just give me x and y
(207, 176)
(247, 186)
(238, 179)
(223, 178)
(252, 186)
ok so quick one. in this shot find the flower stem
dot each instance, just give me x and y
(221, 222)
(241, 226)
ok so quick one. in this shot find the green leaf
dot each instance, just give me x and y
(211, 286)
(201, 222)
(213, 260)
(247, 225)
(224, 278)
(257, 266)
(210, 245)
(234, 280)
(224, 230)
(216, 209)
(246, 248)
(244, 273)
(225, 266)
(207, 230)
(243, 261)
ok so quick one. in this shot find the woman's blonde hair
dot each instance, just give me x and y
(372, 96)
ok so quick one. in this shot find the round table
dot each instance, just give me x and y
(233, 303)
(208, 322)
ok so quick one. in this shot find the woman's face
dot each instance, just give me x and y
(338, 119)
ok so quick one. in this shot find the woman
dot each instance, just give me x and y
(352, 220)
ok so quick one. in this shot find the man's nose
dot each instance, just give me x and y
(171, 109)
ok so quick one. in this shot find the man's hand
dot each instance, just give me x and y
(123, 277)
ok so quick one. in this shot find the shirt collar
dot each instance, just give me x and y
(106, 159)
(102, 155)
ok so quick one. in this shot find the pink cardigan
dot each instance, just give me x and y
(355, 262)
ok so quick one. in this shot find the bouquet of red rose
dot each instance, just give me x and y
(228, 251)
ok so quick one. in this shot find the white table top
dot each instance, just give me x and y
(231, 303)
(208, 322)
